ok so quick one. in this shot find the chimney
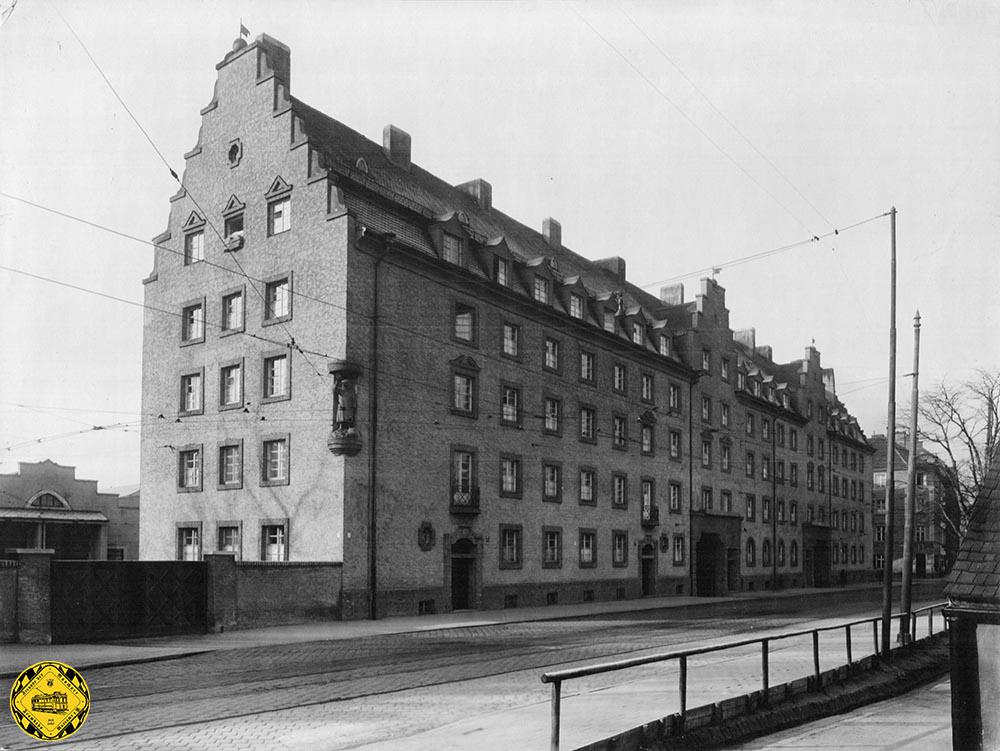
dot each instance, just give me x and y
(746, 337)
(828, 380)
(552, 231)
(765, 350)
(672, 295)
(396, 145)
(615, 265)
(479, 189)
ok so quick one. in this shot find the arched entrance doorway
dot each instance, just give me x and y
(647, 559)
(463, 574)
(709, 565)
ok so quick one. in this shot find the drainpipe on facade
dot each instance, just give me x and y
(690, 514)
(774, 505)
(373, 421)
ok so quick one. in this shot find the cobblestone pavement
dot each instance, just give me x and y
(473, 687)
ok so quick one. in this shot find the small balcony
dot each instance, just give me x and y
(465, 500)
(650, 517)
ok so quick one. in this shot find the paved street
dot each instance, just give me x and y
(475, 687)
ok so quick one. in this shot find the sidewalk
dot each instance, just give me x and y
(917, 721)
(15, 657)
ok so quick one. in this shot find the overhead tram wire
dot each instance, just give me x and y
(189, 193)
(764, 253)
(690, 121)
(721, 114)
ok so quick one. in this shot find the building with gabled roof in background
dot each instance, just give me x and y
(371, 366)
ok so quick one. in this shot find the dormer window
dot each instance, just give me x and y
(501, 271)
(638, 333)
(741, 381)
(664, 345)
(609, 321)
(541, 289)
(452, 249)
(576, 306)
(756, 387)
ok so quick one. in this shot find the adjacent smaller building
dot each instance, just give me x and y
(44, 505)
(936, 514)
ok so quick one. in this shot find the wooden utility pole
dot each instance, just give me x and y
(890, 481)
(911, 488)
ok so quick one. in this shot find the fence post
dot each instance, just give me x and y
(816, 652)
(554, 739)
(763, 666)
(684, 687)
(850, 659)
(875, 634)
(930, 622)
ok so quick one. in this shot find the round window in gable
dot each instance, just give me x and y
(235, 153)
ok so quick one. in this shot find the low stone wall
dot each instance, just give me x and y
(269, 594)
(744, 717)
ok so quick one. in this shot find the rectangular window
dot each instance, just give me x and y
(674, 498)
(638, 333)
(273, 542)
(724, 414)
(646, 439)
(276, 381)
(665, 346)
(587, 482)
(765, 429)
(501, 271)
(510, 546)
(765, 509)
(464, 393)
(551, 482)
(229, 540)
(675, 444)
(609, 321)
(551, 354)
(619, 490)
(725, 370)
(751, 471)
(750, 424)
(793, 439)
(231, 385)
(588, 551)
(706, 360)
(725, 457)
(230, 466)
(279, 216)
(751, 507)
(793, 475)
(511, 340)
(193, 323)
(706, 409)
(587, 367)
(510, 476)
(275, 469)
(679, 549)
(587, 418)
(647, 387)
(510, 407)
(648, 496)
(233, 226)
(194, 247)
(619, 548)
(726, 501)
(765, 467)
(619, 432)
(921, 533)
(188, 544)
(674, 396)
(553, 409)
(541, 289)
(706, 453)
(779, 430)
(277, 300)
(453, 250)
(551, 548)
(707, 501)
(191, 394)
(793, 512)
(618, 377)
(189, 469)
(232, 312)
(575, 306)
(741, 381)
(779, 471)
(465, 323)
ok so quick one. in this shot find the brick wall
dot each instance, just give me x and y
(270, 594)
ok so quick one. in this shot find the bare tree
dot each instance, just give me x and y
(961, 425)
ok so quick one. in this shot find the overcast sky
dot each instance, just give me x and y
(677, 135)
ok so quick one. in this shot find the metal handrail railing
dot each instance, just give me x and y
(557, 677)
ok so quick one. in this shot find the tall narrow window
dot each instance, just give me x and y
(465, 323)
(501, 271)
(587, 367)
(619, 548)
(551, 354)
(619, 431)
(646, 439)
(275, 469)
(575, 305)
(454, 251)
(191, 393)
(188, 544)
(510, 476)
(276, 381)
(464, 393)
(229, 540)
(588, 554)
(674, 497)
(619, 377)
(587, 419)
(232, 312)
(551, 548)
(647, 387)
(510, 546)
(510, 408)
(511, 339)
(193, 323)
(279, 216)
(272, 543)
(553, 409)
(541, 289)
(189, 466)
(587, 482)
(619, 488)
(675, 444)
(277, 300)
(679, 547)
(609, 321)
(463, 468)
(230, 466)
(638, 333)
(194, 247)
(551, 482)
(231, 385)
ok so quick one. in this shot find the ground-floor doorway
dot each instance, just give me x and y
(463, 574)
(648, 569)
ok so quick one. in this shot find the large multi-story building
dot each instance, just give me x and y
(935, 508)
(372, 366)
